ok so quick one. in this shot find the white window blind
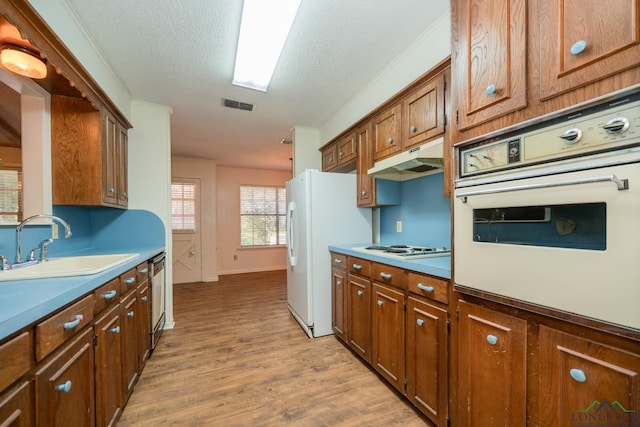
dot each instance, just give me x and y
(263, 215)
(183, 206)
(10, 196)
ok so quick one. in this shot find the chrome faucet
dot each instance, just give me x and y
(67, 233)
(4, 263)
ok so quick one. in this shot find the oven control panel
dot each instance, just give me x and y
(580, 134)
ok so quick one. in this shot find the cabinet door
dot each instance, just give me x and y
(489, 59)
(581, 380)
(423, 113)
(426, 359)
(387, 333)
(491, 368)
(358, 316)
(338, 284)
(583, 41)
(366, 183)
(122, 158)
(16, 406)
(347, 148)
(329, 157)
(130, 329)
(108, 367)
(144, 324)
(387, 137)
(64, 385)
(109, 165)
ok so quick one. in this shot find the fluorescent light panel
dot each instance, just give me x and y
(264, 29)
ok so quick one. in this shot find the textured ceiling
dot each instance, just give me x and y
(183, 57)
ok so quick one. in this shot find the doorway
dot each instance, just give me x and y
(185, 224)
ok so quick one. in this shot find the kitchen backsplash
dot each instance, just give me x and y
(94, 230)
(424, 211)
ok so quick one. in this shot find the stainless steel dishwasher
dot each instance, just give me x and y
(156, 266)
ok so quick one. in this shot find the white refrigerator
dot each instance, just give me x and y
(321, 210)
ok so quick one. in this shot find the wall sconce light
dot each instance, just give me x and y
(22, 61)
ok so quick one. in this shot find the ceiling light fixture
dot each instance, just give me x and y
(264, 29)
(22, 61)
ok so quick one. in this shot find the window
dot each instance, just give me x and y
(183, 206)
(10, 196)
(263, 216)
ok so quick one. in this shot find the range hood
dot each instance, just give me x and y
(423, 160)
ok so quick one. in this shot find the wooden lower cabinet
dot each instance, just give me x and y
(358, 316)
(492, 356)
(582, 380)
(64, 385)
(387, 334)
(108, 367)
(144, 324)
(16, 406)
(130, 329)
(426, 358)
(381, 306)
(339, 301)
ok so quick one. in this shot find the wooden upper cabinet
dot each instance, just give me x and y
(109, 164)
(340, 155)
(88, 155)
(583, 41)
(347, 148)
(329, 157)
(122, 162)
(387, 135)
(488, 59)
(575, 373)
(366, 184)
(423, 114)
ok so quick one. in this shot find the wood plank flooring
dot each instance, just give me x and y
(238, 358)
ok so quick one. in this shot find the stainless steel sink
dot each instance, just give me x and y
(67, 266)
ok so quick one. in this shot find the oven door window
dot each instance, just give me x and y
(574, 226)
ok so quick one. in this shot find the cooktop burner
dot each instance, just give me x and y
(404, 251)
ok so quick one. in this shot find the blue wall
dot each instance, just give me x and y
(424, 212)
(95, 230)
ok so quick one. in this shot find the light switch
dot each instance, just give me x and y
(54, 231)
(399, 226)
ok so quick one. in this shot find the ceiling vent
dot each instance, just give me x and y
(237, 104)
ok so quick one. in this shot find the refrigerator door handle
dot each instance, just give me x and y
(292, 234)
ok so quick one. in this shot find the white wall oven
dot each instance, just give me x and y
(550, 215)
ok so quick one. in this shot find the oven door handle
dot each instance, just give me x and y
(622, 184)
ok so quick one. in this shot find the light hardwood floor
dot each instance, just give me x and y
(238, 358)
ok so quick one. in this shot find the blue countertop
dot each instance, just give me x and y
(435, 266)
(23, 302)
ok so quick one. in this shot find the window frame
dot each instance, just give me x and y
(280, 214)
(183, 182)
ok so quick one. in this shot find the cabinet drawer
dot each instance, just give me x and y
(16, 356)
(142, 272)
(359, 266)
(62, 326)
(128, 281)
(107, 294)
(389, 275)
(430, 287)
(338, 260)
